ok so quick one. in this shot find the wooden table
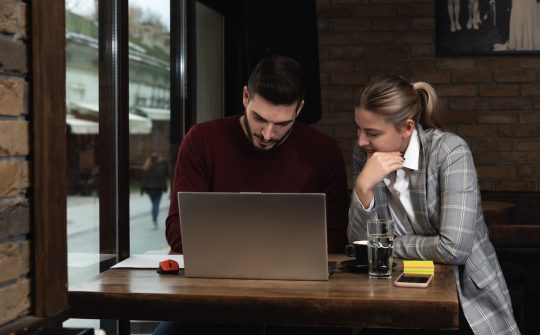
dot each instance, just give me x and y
(347, 299)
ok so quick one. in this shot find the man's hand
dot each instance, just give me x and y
(378, 166)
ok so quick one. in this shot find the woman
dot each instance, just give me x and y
(407, 168)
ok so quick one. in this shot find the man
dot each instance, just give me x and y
(264, 150)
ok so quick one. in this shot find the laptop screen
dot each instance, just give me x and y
(254, 235)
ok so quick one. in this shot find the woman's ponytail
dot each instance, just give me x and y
(429, 113)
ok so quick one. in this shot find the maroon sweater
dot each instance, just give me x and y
(217, 156)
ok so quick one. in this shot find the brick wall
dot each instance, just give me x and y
(15, 246)
(492, 102)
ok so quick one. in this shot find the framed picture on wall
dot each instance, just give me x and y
(487, 27)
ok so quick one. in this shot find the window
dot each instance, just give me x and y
(149, 135)
(126, 69)
(82, 131)
(148, 106)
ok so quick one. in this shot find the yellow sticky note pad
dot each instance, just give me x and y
(418, 267)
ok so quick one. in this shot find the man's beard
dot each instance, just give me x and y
(252, 140)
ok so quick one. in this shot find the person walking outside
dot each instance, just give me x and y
(154, 182)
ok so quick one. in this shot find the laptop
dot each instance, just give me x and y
(254, 235)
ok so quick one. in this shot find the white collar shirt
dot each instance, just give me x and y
(399, 200)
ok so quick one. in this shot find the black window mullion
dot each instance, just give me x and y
(113, 131)
(182, 70)
(178, 56)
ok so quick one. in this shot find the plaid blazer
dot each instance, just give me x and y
(449, 227)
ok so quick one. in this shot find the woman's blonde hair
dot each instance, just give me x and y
(397, 100)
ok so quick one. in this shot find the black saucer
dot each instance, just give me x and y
(351, 266)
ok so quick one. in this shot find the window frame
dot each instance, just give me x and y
(49, 162)
(113, 135)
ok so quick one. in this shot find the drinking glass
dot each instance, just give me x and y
(380, 235)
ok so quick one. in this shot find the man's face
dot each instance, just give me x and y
(267, 124)
(375, 134)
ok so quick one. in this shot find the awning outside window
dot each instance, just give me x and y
(158, 114)
(137, 124)
(81, 127)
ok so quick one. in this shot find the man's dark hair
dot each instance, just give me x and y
(277, 79)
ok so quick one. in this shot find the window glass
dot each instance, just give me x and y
(149, 123)
(82, 105)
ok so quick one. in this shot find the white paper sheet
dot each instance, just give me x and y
(148, 261)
